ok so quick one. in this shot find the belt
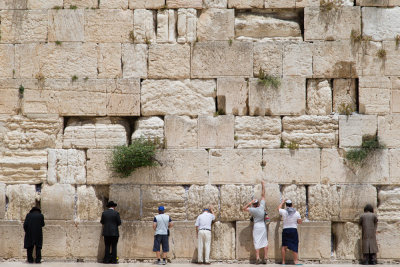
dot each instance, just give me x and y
(205, 229)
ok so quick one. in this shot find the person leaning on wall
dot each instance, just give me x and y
(369, 221)
(33, 224)
(203, 230)
(110, 220)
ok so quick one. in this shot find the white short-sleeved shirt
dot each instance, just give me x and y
(259, 212)
(204, 220)
(289, 221)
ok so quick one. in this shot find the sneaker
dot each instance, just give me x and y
(164, 262)
(158, 262)
(258, 261)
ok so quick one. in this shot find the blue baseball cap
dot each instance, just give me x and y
(161, 208)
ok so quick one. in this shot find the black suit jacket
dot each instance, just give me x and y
(33, 224)
(110, 220)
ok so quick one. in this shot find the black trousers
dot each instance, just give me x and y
(369, 258)
(110, 242)
(29, 252)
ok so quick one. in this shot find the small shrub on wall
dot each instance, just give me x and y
(369, 144)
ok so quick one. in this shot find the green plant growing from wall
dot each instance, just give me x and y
(355, 36)
(132, 37)
(397, 40)
(230, 42)
(73, 7)
(141, 153)
(74, 78)
(293, 145)
(328, 5)
(268, 80)
(282, 144)
(57, 7)
(147, 41)
(21, 90)
(345, 109)
(219, 112)
(381, 53)
(357, 156)
(58, 43)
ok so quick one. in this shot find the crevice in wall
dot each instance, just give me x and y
(219, 201)
(357, 95)
(306, 187)
(378, 189)
(7, 203)
(76, 203)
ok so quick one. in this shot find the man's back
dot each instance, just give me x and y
(204, 220)
(111, 220)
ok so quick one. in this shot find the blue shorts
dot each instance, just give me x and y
(290, 239)
(161, 240)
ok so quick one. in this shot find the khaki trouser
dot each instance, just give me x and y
(204, 240)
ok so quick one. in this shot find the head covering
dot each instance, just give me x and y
(161, 208)
(111, 204)
(35, 209)
(288, 201)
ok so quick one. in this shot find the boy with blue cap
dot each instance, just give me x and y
(161, 224)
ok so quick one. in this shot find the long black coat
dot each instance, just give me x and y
(368, 222)
(110, 220)
(33, 224)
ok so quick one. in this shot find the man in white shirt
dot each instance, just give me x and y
(161, 224)
(203, 229)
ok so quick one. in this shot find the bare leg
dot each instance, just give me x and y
(295, 256)
(257, 254)
(158, 254)
(165, 254)
(266, 253)
(283, 254)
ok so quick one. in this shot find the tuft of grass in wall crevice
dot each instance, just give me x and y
(268, 80)
(370, 144)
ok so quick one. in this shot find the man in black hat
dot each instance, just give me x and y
(34, 221)
(110, 220)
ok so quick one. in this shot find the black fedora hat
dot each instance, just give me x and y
(111, 204)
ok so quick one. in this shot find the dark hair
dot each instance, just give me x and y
(160, 212)
(368, 208)
(288, 204)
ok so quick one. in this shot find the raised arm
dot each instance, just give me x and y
(246, 207)
(281, 205)
(262, 190)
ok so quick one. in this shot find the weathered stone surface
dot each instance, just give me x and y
(334, 60)
(95, 133)
(280, 3)
(66, 166)
(297, 59)
(128, 199)
(232, 95)
(379, 23)
(257, 132)
(152, 4)
(315, 240)
(288, 99)
(245, 4)
(21, 198)
(12, 235)
(223, 241)
(324, 200)
(40, 4)
(237, 166)
(319, 97)
(215, 3)
(177, 97)
(109, 60)
(272, 199)
(335, 169)
(368, 63)
(124, 98)
(244, 241)
(134, 60)
(389, 203)
(166, 26)
(185, 4)
(6, 60)
(344, 94)
(23, 26)
(84, 240)
(297, 194)
(215, 24)
(55, 239)
(10, 103)
(187, 25)
(347, 237)
(171, 197)
(305, 3)
(311, 131)
(89, 203)
(2, 200)
(218, 59)
(388, 240)
(374, 95)
(285, 166)
(108, 25)
(81, 3)
(137, 242)
(394, 166)
(149, 128)
(390, 62)
(336, 24)
(200, 197)
(169, 61)
(373, 2)
(66, 25)
(388, 130)
(353, 199)
(57, 201)
(180, 132)
(144, 26)
(184, 240)
(216, 132)
(261, 25)
(268, 58)
(233, 198)
(395, 94)
(353, 128)
(123, 4)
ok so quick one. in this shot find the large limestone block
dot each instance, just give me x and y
(233, 198)
(319, 97)
(223, 241)
(152, 4)
(12, 240)
(39, 4)
(383, 3)
(184, 240)
(388, 129)
(394, 166)
(390, 62)
(81, 3)
(23, 26)
(149, 128)
(315, 240)
(215, 3)
(177, 97)
(136, 240)
(218, 59)
(232, 95)
(173, 198)
(238, 4)
(215, 24)
(128, 199)
(85, 240)
(58, 201)
(297, 59)
(109, 60)
(374, 95)
(6, 60)
(95, 133)
(379, 23)
(344, 94)
(336, 24)
(184, 4)
(124, 98)
(389, 203)
(90, 203)
(347, 241)
(10, 102)
(180, 132)
(272, 199)
(268, 58)
(66, 166)
(21, 198)
(395, 94)
(368, 63)
(280, 3)
(311, 130)
(169, 61)
(323, 202)
(134, 60)
(235, 166)
(297, 194)
(353, 199)
(257, 132)
(285, 166)
(216, 132)
(54, 239)
(117, 4)
(388, 240)
(334, 60)
(108, 25)
(2, 200)
(201, 197)
(144, 28)
(187, 25)
(288, 99)
(166, 26)
(353, 128)
(66, 25)
(262, 25)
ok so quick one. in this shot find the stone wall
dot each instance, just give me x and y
(80, 77)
